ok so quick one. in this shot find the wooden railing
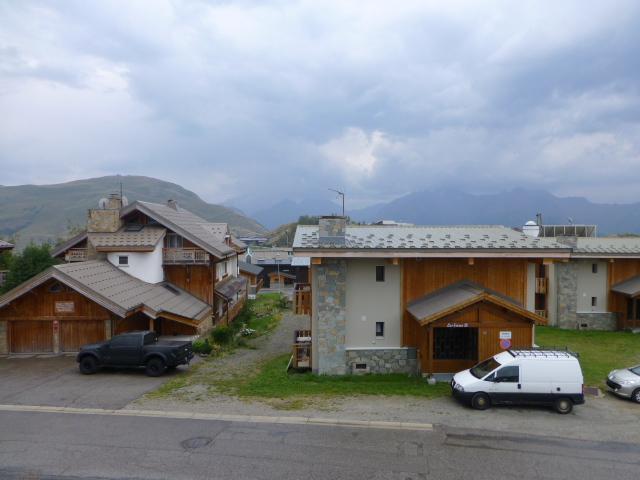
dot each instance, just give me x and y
(302, 299)
(301, 357)
(76, 255)
(184, 255)
(541, 313)
(541, 285)
(3, 276)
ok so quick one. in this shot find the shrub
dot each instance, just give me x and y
(222, 334)
(202, 346)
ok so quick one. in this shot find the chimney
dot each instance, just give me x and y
(332, 231)
(105, 218)
(173, 204)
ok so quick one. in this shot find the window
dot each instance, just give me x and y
(56, 288)
(380, 273)
(125, 341)
(174, 240)
(508, 374)
(123, 260)
(594, 301)
(637, 302)
(594, 267)
(379, 329)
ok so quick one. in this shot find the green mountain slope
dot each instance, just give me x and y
(44, 213)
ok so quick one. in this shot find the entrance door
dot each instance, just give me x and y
(31, 337)
(454, 348)
(76, 333)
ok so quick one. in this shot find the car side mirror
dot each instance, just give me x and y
(490, 378)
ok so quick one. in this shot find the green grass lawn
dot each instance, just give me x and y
(272, 381)
(600, 352)
(263, 314)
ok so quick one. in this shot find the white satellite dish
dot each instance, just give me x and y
(125, 201)
(531, 229)
(102, 203)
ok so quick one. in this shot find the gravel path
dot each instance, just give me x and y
(607, 418)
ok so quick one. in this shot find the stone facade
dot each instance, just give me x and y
(331, 329)
(597, 321)
(388, 360)
(332, 231)
(103, 221)
(567, 281)
(4, 338)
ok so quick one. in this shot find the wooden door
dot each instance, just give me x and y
(31, 336)
(76, 333)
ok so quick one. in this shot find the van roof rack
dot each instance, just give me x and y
(543, 352)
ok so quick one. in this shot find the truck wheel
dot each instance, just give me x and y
(155, 367)
(88, 365)
(563, 405)
(481, 401)
(635, 396)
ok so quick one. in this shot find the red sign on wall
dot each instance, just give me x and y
(505, 344)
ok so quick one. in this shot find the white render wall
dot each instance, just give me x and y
(147, 266)
(369, 302)
(591, 285)
(232, 268)
(531, 287)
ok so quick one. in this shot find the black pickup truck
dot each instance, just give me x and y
(135, 349)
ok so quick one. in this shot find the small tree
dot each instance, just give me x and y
(23, 266)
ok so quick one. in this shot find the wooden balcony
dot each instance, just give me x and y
(76, 255)
(541, 313)
(181, 256)
(302, 299)
(301, 357)
(541, 285)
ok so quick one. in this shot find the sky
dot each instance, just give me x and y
(248, 102)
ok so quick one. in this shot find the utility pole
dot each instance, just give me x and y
(342, 195)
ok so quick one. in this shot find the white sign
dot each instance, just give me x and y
(457, 325)
(65, 307)
(505, 335)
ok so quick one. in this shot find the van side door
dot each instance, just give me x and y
(505, 386)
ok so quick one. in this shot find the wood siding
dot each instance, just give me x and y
(74, 334)
(619, 271)
(195, 279)
(30, 336)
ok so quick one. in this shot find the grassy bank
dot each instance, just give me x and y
(600, 352)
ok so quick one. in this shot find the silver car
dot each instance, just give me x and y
(626, 383)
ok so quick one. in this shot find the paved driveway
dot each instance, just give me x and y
(56, 381)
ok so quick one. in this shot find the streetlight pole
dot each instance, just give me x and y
(341, 195)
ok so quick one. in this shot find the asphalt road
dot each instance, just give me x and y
(65, 446)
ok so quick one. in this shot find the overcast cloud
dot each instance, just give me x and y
(378, 97)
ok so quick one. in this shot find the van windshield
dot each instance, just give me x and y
(484, 368)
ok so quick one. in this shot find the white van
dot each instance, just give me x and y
(536, 377)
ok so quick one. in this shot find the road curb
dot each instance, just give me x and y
(318, 421)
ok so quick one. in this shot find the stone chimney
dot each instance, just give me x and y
(105, 218)
(332, 231)
(173, 204)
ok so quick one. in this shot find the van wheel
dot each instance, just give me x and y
(563, 405)
(88, 365)
(155, 367)
(635, 396)
(481, 401)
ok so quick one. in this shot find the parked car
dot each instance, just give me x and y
(534, 377)
(625, 383)
(135, 349)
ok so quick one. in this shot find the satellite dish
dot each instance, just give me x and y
(125, 201)
(531, 229)
(102, 203)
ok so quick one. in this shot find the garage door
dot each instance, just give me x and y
(76, 333)
(31, 337)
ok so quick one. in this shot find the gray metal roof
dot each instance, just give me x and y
(630, 287)
(402, 237)
(118, 291)
(5, 245)
(250, 268)
(230, 286)
(462, 293)
(608, 245)
(146, 238)
(192, 227)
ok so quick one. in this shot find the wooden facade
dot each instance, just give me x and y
(619, 271)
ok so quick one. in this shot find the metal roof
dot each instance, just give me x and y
(192, 227)
(607, 246)
(66, 245)
(250, 268)
(118, 291)
(301, 261)
(630, 287)
(458, 295)
(144, 239)
(230, 286)
(5, 245)
(402, 237)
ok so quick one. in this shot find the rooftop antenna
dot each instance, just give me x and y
(342, 195)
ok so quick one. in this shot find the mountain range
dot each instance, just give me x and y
(45, 213)
(450, 206)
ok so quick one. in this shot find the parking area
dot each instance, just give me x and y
(55, 381)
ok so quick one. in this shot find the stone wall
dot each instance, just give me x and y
(597, 321)
(331, 323)
(388, 360)
(567, 281)
(4, 338)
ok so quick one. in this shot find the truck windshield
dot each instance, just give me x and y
(484, 368)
